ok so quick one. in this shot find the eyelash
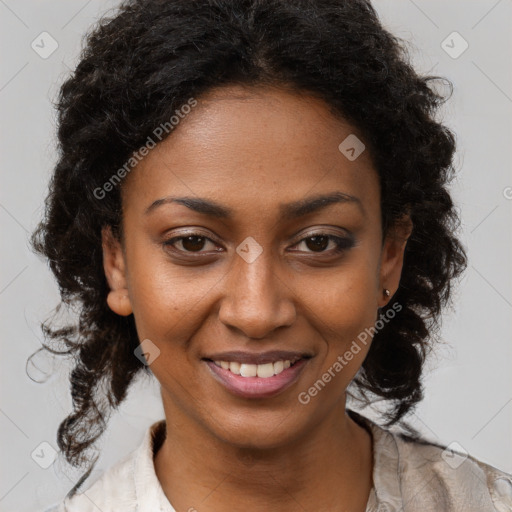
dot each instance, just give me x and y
(342, 244)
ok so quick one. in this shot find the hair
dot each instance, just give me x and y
(146, 61)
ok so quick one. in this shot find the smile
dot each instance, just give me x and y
(264, 371)
(264, 380)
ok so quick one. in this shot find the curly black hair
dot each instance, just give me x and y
(142, 64)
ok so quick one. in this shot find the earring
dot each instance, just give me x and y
(387, 293)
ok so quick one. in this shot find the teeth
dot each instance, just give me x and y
(248, 370)
(278, 367)
(234, 367)
(255, 370)
(265, 370)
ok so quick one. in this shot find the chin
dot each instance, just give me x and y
(256, 430)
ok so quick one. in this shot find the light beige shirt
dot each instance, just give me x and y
(408, 476)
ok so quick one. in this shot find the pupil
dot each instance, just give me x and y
(318, 242)
(189, 245)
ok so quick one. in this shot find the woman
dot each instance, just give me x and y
(250, 203)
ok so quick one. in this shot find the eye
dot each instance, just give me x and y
(320, 242)
(316, 243)
(192, 243)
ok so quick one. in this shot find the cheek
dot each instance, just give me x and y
(166, 298)
(345, 309)
(347, 298)
(170, 311)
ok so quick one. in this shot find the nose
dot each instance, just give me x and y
(257, 301)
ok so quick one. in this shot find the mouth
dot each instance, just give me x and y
(256, 375)
(264, 371)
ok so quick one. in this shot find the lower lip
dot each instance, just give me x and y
(257, 387)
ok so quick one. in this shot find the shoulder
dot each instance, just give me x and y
(412, 473)
(123, 485)
(448, 478)
(113, 490)
(450, 472)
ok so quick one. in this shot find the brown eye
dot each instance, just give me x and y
(193, 243)
(320, 244)
(317, 243)
(188, 244)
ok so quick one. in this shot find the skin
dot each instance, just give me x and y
(251, 150)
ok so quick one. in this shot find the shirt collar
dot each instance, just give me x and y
(385, 493)
(150, 495)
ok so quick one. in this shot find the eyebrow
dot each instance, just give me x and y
(288, 211)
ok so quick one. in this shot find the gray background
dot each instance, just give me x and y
(468, 383)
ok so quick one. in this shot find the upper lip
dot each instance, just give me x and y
(257, 358)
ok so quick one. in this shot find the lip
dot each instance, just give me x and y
(256, 387)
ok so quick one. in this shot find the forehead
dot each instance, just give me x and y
(254, 146)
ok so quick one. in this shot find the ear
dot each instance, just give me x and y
(392, 257)
(115, 271)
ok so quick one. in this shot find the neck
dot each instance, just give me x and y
(327, 466)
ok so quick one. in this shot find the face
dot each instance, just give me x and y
(252, 269)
